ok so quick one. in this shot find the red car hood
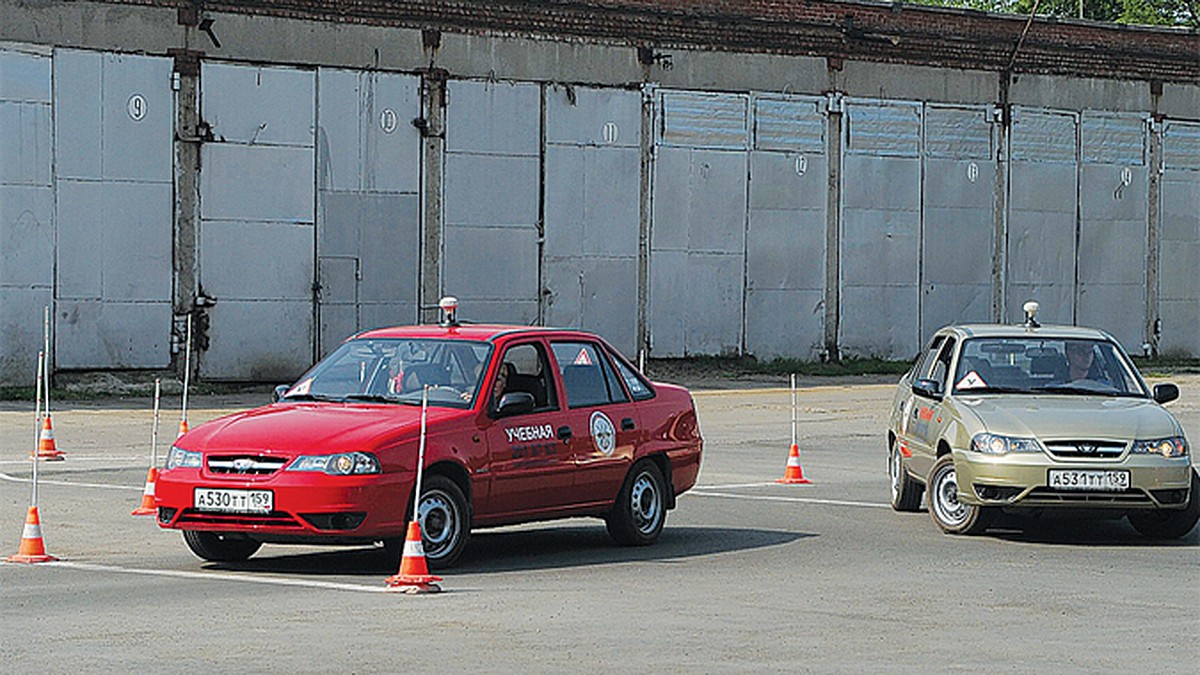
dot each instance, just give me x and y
(313, 428)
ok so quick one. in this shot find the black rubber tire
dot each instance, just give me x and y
(216, 547)
(445, 518)
(1169, 524)
(638, 516)
(906, 491)
(948, 513)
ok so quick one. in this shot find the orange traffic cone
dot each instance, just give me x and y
(47, 451)
(33, 549)
(148, 508)
(794, 473)
(414, 576)
(183, 428)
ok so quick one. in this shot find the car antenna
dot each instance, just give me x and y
(1031, 310)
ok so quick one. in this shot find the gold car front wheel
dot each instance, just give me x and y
(950, 514)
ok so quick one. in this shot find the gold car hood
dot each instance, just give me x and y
(1070, 417)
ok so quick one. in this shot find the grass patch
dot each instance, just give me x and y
(1166, 366)
(845, 367)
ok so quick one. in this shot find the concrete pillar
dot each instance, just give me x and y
(189, 134)
(1153, 220)
(643, 269)
(432, 124)
(1000, 201)
(833, 229)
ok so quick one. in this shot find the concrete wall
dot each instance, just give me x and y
(848, 244)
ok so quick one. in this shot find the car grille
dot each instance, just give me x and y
(1051, 496)
(246, 465)
(1086, 449)
(273, 519)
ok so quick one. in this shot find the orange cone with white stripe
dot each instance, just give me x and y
(183, 428)
(148, 507)
(47, 450)
(414, 576)
(33, 549)
(794, 473)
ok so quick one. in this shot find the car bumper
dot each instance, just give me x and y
(306, 505)
(1022, 480)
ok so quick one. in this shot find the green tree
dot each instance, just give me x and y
(1144, 12)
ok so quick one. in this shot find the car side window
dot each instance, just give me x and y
(587, 375)
(941, 365)
(921, 369)
(524, 367)
(638, 386)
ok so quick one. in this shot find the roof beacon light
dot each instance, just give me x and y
(449, 307)
(1031, 310)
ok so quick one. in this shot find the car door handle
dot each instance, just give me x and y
(627, 424)
(564, 433)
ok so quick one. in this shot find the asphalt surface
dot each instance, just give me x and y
(748, 575)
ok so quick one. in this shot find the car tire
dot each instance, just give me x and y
(445, 518)
(948, 513)
(640, 512)
(906, 492)
(1169, 524)
(215, 547)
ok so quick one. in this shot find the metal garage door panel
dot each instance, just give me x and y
(703, 120)
(390, 248)
(592, 201)
(883, 129)
(958, 196)
(592, 212)
(498, 118)
(700, 200)
(589, 116)
(96, 334)
(256, 183)
(785, 250)
(790, 124)
(1113, 234)
(138, 111)
(366, 139)
(26, 236)
(256, 261)
(136, 243)
(1043, 178)
(24, 75)
(597, 295)
(25, 142)
(491, 190)
(272, 341)
(81, 225)
(713, 303)
(890, 331)
(77, 119)
(670, 291)
(1179, 285)
(785, 323)
(339, 299)
(339, 145)
(21, 332)
(496, 270)
(258, 105)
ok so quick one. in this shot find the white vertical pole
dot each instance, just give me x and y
(46, 355)
(154, 426)
(187, 366)
(37, 433)
(421, 454)
(642, 361)
(793, 409)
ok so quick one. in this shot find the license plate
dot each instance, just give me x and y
(233, 501)
(1089, 480)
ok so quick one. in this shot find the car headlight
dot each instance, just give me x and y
(342, 464)
(995, 444)
(1175, 446)
(178, 457)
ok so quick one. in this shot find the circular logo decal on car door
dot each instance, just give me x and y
(604, 434)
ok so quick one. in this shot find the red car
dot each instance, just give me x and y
(523, 424)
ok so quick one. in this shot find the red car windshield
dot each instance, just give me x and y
(397, 370)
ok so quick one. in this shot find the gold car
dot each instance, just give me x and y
(1027, 417)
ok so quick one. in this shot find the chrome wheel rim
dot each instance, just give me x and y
(946, 506)
(645, 503)
(440, 523)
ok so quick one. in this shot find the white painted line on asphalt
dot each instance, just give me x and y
(732, 486)
(218, 576)
(43, 481)
(25, 462)
(803, 500)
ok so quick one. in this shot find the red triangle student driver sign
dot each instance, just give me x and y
(583, 359)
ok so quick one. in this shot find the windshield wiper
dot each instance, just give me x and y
(1068, 389)
(373, 398)
(990, 390)
(309, 397)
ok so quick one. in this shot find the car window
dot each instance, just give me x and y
(1046, 365)
(524, 367)
(921, 367)
(940, 368)
(587, 375)
(637, 385)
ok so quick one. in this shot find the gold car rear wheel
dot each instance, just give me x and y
(906, 492)
(949, 514)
